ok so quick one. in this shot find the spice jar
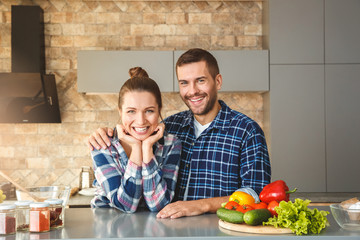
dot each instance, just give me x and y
(22, 215)
(57, 219)
(39, 217)
(7, 219)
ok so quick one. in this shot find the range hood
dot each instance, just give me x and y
(27, 94)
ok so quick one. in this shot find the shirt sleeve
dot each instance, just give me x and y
(255, 168)
(160, 176)
(117, 186)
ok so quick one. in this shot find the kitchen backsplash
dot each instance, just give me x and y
(52, 154)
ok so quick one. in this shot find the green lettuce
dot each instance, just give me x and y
(298, 217)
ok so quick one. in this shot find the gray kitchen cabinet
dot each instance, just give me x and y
(342, 86)
(106, 71)
(342, 32)
(241, 70)
(297, 126)
(296, 31)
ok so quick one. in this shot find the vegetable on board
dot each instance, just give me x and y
(242, 198)
(298, 217)
(277, 191)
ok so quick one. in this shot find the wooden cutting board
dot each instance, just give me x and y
(253, 229)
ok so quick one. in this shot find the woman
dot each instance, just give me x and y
(141, 165)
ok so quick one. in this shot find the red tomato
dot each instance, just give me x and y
(231, 205)
(271, 207)
(244, 208)
(259, 205)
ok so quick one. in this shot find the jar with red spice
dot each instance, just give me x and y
(39, 217)
(22, 215)
(7, 219)
(57, 219)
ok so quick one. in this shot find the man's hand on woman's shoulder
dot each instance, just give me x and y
(100, 138)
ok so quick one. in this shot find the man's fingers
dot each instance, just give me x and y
(102, 139)
(110, 132)
(172, 210)
(177, 215)
(89, 145)
(92, 143)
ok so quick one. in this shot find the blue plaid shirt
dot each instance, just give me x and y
(230, 154)
(124, 185)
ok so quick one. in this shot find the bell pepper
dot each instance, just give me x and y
(276, 191)
(242, 198)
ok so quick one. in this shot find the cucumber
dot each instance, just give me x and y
(257, 216)
(230, 216)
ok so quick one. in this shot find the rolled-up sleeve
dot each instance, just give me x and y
(160, 174)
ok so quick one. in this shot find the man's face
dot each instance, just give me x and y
(197, 87)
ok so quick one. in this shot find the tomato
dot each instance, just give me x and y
(259, 205)
(231, 205)
(244, 208)
(271, 207)
(242, 198)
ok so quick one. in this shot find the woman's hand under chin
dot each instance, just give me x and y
(131, 145)
(126, 138)
(150, 141)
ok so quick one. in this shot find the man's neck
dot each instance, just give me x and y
(205, 119)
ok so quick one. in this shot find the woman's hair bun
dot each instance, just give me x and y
(137, 72)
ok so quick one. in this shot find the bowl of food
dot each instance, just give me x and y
(347, 216)
(40, 194)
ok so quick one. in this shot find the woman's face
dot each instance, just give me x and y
(140, 114)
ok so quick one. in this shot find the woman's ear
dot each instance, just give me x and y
(119, 110)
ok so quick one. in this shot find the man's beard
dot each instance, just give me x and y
(208, 107)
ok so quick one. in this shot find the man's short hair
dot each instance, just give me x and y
(197, 55)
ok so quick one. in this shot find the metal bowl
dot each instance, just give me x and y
(40, 194)
(348, 219)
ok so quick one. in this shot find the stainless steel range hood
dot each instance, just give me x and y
(27, 94)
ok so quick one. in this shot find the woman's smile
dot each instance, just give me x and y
(140, 114)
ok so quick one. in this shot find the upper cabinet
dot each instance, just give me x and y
(297, 31)
(106, 71)
(342, 31)
(241, 70)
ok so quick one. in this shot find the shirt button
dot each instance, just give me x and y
(187, 165)
(193, 143)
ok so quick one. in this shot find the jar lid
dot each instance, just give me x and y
(39, 204)
(23, 203)
(7, 206)
(54, 201)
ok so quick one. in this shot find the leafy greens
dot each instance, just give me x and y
(298, 217)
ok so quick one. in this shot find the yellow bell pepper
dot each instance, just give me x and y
(242, 198)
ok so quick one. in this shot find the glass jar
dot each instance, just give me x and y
(22, 215)
(57, 219)
(39, 217)
(7, 219)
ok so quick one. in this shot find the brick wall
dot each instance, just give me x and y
(46, 154)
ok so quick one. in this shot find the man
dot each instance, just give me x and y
(222, 150)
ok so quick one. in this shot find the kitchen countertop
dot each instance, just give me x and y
(106, 223)
(317, 198)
